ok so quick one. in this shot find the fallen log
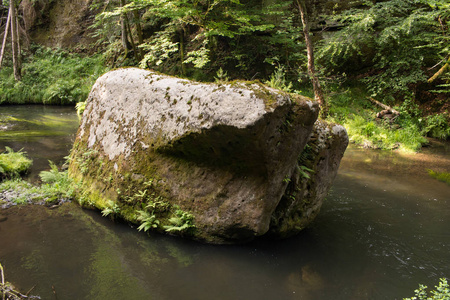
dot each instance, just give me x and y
(386, 107)
(439, 72)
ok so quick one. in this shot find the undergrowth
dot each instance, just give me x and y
(56, 187)
(441, 292)
(51, 77)
(351, 107)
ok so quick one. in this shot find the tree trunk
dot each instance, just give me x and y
(123, 27)
(183, 67)
(318, 94)
(439, 73)
(19, 46)
(139, 33)
(133, 45)
(14, 41)
(5, 36)
(137, 20)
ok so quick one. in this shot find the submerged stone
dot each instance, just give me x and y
(219, 163)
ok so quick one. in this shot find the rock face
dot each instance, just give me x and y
(62, 23)
(220, 163)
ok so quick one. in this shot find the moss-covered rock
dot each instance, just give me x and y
(202, 160)
(316, 169)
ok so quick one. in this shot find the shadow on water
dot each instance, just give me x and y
(381, 232)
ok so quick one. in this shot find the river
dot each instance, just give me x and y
(383, 229)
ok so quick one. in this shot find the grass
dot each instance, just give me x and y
(51, 77)
(353, 109)
(13, 163)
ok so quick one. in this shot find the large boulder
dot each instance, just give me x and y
(216, 162)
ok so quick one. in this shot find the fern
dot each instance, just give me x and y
(51, 176)
(111, 208)
(148, 221)
(181, 221)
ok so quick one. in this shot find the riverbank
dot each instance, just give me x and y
(51, 77)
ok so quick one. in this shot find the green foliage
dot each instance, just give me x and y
(51, 77)
(53, 175)
(86, 159)
(395, 41)
(56, 184)
(437, 126)
(367, 133)
(278, 80)
(80, 107)
(355, 112)
(13, 163)
(56, 187)
(442, 292)
(305, 172)
(189, 35)
(181, 221)
(221, 76)
(148, 220)
(441, 176)
(111, 208)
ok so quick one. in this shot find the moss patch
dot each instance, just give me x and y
(441, 176)
(13, 163)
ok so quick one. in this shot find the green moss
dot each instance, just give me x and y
(137, 196)
(13, 163)
(441, 176)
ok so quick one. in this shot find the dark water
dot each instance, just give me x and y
(383, 229)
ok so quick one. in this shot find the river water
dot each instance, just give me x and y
(383, 229)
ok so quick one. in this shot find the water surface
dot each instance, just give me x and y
(43, 132)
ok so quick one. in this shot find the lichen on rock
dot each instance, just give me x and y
(220, 158)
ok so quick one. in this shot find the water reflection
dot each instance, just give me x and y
(44, 132)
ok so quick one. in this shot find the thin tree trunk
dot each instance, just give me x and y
(318, 94)
(5, 36)
(133, 45)
(183, 67)
(138, 27)
(19, 47)
(123, 27)
(439, 73)
(124, 30)
(15, 49)
(140, 36)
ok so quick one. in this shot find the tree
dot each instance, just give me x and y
(12, 22)
(392, 45)
(15, 41)
(318, 94)
(5, 36)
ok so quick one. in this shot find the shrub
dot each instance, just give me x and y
(442, 292)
